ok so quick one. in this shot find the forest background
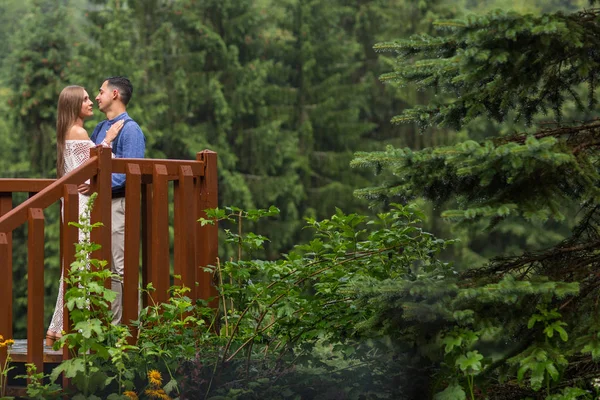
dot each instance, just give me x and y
(284, 91)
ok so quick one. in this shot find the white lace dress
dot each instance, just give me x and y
(76, 153)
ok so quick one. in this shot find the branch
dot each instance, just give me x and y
(560, 131)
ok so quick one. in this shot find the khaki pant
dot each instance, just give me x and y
(118, 256)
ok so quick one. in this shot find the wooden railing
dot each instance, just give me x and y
(146, 225)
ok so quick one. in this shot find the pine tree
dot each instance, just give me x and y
(283, 91)
(34, 72)
(38, 60)
(529, 318)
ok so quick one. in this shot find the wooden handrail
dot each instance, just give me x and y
(47, 196)
(119, 166)
(8, 185)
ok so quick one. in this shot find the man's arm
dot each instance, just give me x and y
(132, 142)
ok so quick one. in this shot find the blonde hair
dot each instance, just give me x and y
(69, 107)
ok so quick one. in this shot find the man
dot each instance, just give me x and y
(112, 99)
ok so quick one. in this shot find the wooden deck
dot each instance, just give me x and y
(17, 387)
(148, 220)
(18, 353)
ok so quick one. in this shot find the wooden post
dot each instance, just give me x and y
(102, 184)
(146, 238)
(70, 236)
(6, 273)
(184, 230)
(207, 242)
(160, 271)
(35, 288)
(132, 248)
(5, 295)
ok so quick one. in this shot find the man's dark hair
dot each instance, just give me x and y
(123, 85)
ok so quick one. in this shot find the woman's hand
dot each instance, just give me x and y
(85, 189)
(113, 132)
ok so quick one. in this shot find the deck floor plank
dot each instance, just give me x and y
(18, 353)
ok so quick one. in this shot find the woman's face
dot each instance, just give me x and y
(87, 107)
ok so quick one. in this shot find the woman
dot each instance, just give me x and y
(73, 149)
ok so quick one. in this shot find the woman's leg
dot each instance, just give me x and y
(56, 325)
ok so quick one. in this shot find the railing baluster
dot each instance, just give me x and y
(102, 184)
(35, 289)
(6, 272)
(184, 229)
(5, 293)
(70, 238)
(160, 271)
(132, 248)
(6, 278)
(146, 239)
(207, 242)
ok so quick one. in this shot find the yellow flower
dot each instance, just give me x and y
(157, 394)
(154, 377)
(163, 396)
(130, 394)
(5, 343)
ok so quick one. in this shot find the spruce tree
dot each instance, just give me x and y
(524, 324)
(39, 56)
(41, 47)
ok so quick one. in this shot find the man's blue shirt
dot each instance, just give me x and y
(130, 143)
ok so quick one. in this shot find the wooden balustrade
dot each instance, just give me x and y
(146, 230)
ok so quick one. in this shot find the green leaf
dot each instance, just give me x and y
(538, 373)
(451, 342)
(552, 371)
(452, 392)
(170, 386)
(470, 363)
(592, 347)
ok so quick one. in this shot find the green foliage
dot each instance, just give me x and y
(5, 365)
(494, 178)
(34, 71)
(277, 322)
(452, 392)
(93, 339)
(570, 393)
(306, 300)
(37, 389)
(529, 313)
(38, 61)
(284, 91)
(481, 67)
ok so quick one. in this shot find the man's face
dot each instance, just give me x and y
(87, 107)
(105, 97)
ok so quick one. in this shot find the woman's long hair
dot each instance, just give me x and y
(69, 107)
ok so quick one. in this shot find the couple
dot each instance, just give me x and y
(73, 144)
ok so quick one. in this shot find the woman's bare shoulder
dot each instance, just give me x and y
(77, 133)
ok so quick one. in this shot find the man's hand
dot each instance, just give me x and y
(84, 189)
